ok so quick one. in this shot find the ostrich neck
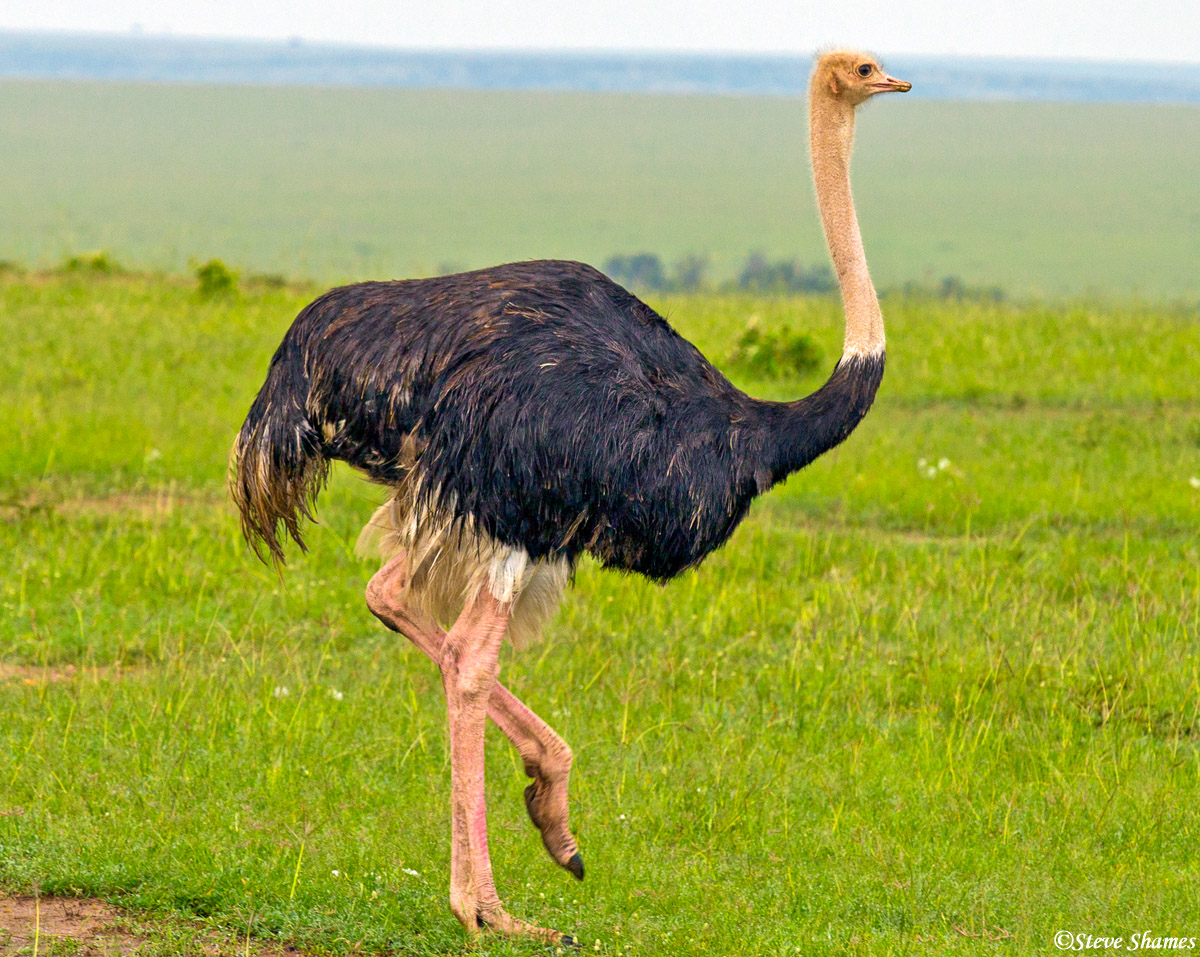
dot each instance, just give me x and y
(831, 134)
(798, 432)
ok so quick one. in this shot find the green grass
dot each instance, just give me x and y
(334, 183)
(907, 703)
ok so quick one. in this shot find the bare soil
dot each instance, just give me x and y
(153, 506)
(52, 674)
(92, 927)
(86, 927)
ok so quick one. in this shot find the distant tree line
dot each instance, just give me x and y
(951, 288)
(646, 271)
(764, 276)
(761, 275)
(214, 279)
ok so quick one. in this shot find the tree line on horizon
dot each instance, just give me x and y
(761, 275)
(644, 272)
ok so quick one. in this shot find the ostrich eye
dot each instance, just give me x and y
(865, 69)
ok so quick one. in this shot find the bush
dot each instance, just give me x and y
(93, 262)
(775, 354)
(267, 280)
(1194, 434)
(216, 279)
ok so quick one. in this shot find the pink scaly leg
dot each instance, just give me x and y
(546, 756)
(471, 879)
(547, 760)
(469, 661)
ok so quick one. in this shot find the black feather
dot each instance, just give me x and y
(540, 400)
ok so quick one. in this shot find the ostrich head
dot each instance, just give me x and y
(853, 77)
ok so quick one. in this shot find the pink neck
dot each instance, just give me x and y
(831, 134)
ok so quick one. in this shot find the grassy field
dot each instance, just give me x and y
(939, 695)
(335, 184)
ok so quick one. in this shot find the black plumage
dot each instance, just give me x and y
(539, 401)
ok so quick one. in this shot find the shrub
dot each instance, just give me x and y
(775, 354)
(216, 279)
(93, 262)
(1194, 434)
(267, 280)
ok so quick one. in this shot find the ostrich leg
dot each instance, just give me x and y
(469, 662)
(546, 757)
(547, 760)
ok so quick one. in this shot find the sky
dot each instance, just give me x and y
(1151, 30)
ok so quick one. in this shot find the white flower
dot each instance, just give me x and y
(931, 472)
(921, 463)
(335, 694)
(410, 872)
(336, 873)
(943, 464)
(1194, 482)
(281, 691)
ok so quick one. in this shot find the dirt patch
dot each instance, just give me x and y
(145, 506)
(88, 927)
(51, 674)
(35, 674)
(139, 506)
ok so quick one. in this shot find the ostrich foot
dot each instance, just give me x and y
(493, 918)
(546, 802)
(547, 760)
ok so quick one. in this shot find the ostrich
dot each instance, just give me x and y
(522, 415)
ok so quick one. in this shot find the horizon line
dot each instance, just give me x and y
(299, 41)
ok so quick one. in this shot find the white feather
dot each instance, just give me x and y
(450, 561)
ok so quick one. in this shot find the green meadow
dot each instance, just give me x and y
(939, 695)
(331, 184)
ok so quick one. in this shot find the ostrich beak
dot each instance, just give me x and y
(889, 84)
